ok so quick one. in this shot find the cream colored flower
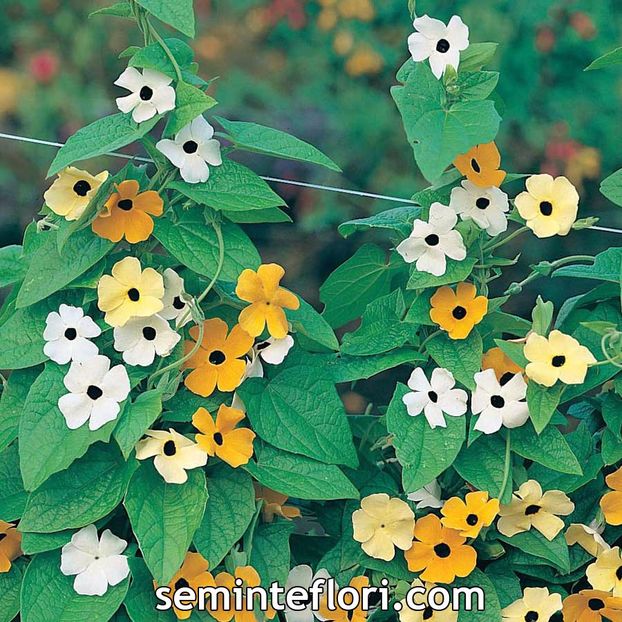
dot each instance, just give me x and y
(588, 537)
(537, 604)
(606, 572)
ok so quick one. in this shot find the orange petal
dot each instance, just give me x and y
(228, 418)
(249, 287)
(237, 447)
(253, 319)
(277, 322)
(128, 189)
(238, 343)
(138, 227)
(109, 228)
(150, 202)
(230, 375)
(270, 275)
(202, 381)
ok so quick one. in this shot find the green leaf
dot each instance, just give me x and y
(259, 216)
(308, 322)
(555, 552)
(542, 403)
(165, 517)
(514, 351)
(119, 9)
(457, 271)
(297, 476)
(191, 103)
(12, 494)
(607, 60)
(542, 316)
(270, 554)
(88, 490)
(477, 55)
(178, 14)
(141, 600)
(398, 220)
(492, 607)
(506, 583)
(346, 368)
(477, 85)
(607, 266)
(46, 444)
(423, 452)
(136, 418)
(100, 137)
(10, 587)
(50, 270)
(48, 595)
(154, 57)
(33, 543)
(269, 141)
(12, 265)
(12, 403)
(611, 187)
(462, 356)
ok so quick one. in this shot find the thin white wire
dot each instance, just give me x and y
(289, 182)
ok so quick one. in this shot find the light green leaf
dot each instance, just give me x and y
(136, 418)
(542, 316)
(308, 322)
(12, 265)
(154, 57)
(141, 600)
(476, 85)
(542, 403)
(457, 271)
(505, 581)
(255, 216)
(346, 368)
(611, 187)
(492, 607)
(606, 60)
(462, 356)
(607, 266)
(120, 9)
(10, 587)
(33, 543)
(191, 102)
(12, 403)
(270, 554)
(12, 494)
(555, 552)
(477, 55)
(398, 220)
(178, 14)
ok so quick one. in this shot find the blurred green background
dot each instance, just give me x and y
(322, 70)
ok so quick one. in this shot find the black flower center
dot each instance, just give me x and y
(497, 401)
(218, 438)
(217, 357)
(262, 346)
(546, 208)
(180, 583)
(442, 550)
(82, 188)
(428, 612)
(146, 93)
(149, 333)
(506, 378)
(433, 395)
(432, 239)
(94, 392)
(530, 510)
(71, 334)
(558, 361)
(133, 294)
(475, 166)
(3, 536)
(443, 46)
(178, 303)
(472, 519)
(169, 449)
(482, 203)
(190, 146)
(619, 574)
(459, 313)
(531, 616)
(595, 604)
(125, 204)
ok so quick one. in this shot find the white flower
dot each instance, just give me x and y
(302, 576)
(435, 397)
(142, 338)
(151, 93)
(441, 44)
(67, 333)
(499, 404)
(97, 563)
(486, 207)
(273, 350)
(95, 392)
(427, 497)
(174, 300)
(430, 243)
(192, 150)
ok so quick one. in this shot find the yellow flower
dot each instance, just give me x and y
(274, 504)
(440, 552)
(587, 538)
(221, 438)
(468, 517)
(592, 606)
(606, 572)
(611, 503)
(72, 191)
(457, 313)
(549, 206)
(193, 574)
(174, 454)
(503, 366)
(341, 615)
(267, 300)
(427, 614)
(530, 508)
(480, 165)
(383, 523)
(558, 357)
(536, 604)
(10, 545)
(130, 292)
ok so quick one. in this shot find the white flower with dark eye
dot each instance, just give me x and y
(67, 333)
(427, 497)
(499, 404)
(151, 93)
(302, 577)
(430, 243)
(192, 150)
(486, 207)
(95, 393)
(96, 563)
(141, 339)
(441, 44)
(175, 297)
(435, 397)
(274, 351)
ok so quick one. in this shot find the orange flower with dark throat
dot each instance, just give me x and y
(192, 574)
(592, 606)
(10, 545)
(480, 165)
(611, 503)
(504, 367)
(458, 312)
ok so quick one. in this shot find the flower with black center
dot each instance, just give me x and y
(68, 333)
(218, 361)
(192, 150)
(274, 504)
(222, 438)
(468, 517)
(536, 605)
(430, 243)
(556, 357)
(72, 191)
(592, 606)
(549, 206)
(383, 523)
(530, 508)
(439, 553)
(346, 615)
(128, 214)
(141, 339)
(611, 503)
(435, 398)
(274, 351)
(302, 576)
(129, 292)
(175, 299)
(192, 574)
(588, 537)
(480, 165)
(267, 299)
(173, 454)
(499, 404)
(425, 611)
(95, 392)
(458, 312)
(151, 93)
(486, 207)
(10, 545)
(606, 572)
(503, 366)
(439, 43)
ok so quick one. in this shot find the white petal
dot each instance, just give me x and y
(116, 569)
(173, 151)
(144, 111)
(54, 326)
(489, 421)
(131, 79)
(91, 582)
(194, 170)
(415, 403)
(164, 99)
(433, 262)
(73, 560)
(420, 47)
(201, 130)
(87, 540)
(411, 249)
(434, 416)
(116, 383)
(299, 576)
(88, 328)
(278, 349)
(58, 351)
(166, 341)
(458, 33)
(515, 389)
(104, 410)
(442, 380)
(515, 414)
(442, 218)
(210, 152)
(453, 403)
(76, 409)
(155, 79)
(110, 544)
(141, 355)
(487, 380)
(83, 349)
(418, 381)
(438, 62)
(452, 245)
(430, 27)
(128, 103)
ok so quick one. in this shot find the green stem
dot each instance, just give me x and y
(166, 49)
(429, 338)
(491, 247)
(506, 467)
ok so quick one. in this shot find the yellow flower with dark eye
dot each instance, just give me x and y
(503, 366)
(130, 292)
(439, 552)
(221, 438)
(588, 537)
(611, 503)
(267, 300)
(606, 572)
(72, 191)
(274, 504)
(424, 612)
(530, 508)
(480, 165)
(10, 545)
(592, 606)
(536, 605)
(382, 524)
(344, 615)
(558, 357)
(458, 312)
(549, 206)
(193, 574)
(468, 517)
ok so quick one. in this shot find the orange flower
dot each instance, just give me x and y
(218, 361)
(127, 214)
(274, 504)
(193, 573)
(468, 517)
(592, 606)
(234, 446)
(341, 615)
(267, 300)
(503, 366)
(611, 503)
(481, 164)
(10, 545)
(457, 313)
